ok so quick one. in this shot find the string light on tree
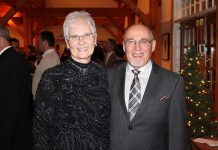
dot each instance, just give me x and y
(200, 103)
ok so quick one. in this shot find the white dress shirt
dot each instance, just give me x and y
(49, 59)
(107, 55)
(143, 76)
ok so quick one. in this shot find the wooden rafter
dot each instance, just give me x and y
(59, 21)
(216, 69)
(14, 26)
(16, 7)
(119, 24)
(104, 20)
(37, 3)
(95, 12)
(117, 37)
(145, 20)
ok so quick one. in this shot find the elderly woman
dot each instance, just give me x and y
(72, 106)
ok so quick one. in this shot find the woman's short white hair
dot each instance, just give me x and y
(73, 17)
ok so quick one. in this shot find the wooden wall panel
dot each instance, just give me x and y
(216, 86)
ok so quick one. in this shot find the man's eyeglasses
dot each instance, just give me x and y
(141, 43)
(85, 37)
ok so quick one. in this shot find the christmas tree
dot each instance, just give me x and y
(200, 103)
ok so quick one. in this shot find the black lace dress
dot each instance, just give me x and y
(72, 108)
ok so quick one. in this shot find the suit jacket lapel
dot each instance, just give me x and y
(121, 87)
(149, 91)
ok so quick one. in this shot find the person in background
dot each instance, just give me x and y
(15, 97)
(98, 55)
(49, 59)
(14, 42)
(31, 59)
(119, 51)
(148, 110)
(110, 57)
(38, 57)
(65, 55)
(72, 106)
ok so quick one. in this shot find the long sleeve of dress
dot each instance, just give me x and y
(43, 113)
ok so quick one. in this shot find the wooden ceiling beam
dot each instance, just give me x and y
(60, 21)
(102, 21)
(10, 13)
(118, 38)
(37, 3)
(16, 20)
(117, 23)
(95, 12)
(145, 20)
(15, 26)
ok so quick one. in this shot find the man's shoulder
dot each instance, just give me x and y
(118, 66)
(53, 54)
(117, 69)
(12, 51)
(13, 56)
(50, 60)
(165, 73)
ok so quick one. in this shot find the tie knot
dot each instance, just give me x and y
(135, 72)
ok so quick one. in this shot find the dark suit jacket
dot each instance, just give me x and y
(15, 102)
(159, 123)
(113, 60)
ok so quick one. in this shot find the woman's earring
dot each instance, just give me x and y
(95, 44)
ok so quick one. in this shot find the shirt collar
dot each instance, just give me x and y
(142, 69)
(48, 51)
(4, 49)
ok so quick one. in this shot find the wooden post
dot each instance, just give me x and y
(131, 20)
(216, 69)
(145, 20)
(156, 29)
(28, 37)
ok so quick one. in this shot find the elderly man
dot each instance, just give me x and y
(15, 98)
(148, 106)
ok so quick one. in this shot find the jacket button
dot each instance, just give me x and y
(130, 127)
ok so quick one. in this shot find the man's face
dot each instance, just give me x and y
(138, 45)
(107, 46)
(15, 45)
(41, 44)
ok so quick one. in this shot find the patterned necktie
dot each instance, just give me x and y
(135, 95)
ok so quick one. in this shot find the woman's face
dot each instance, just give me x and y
(81, 41)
